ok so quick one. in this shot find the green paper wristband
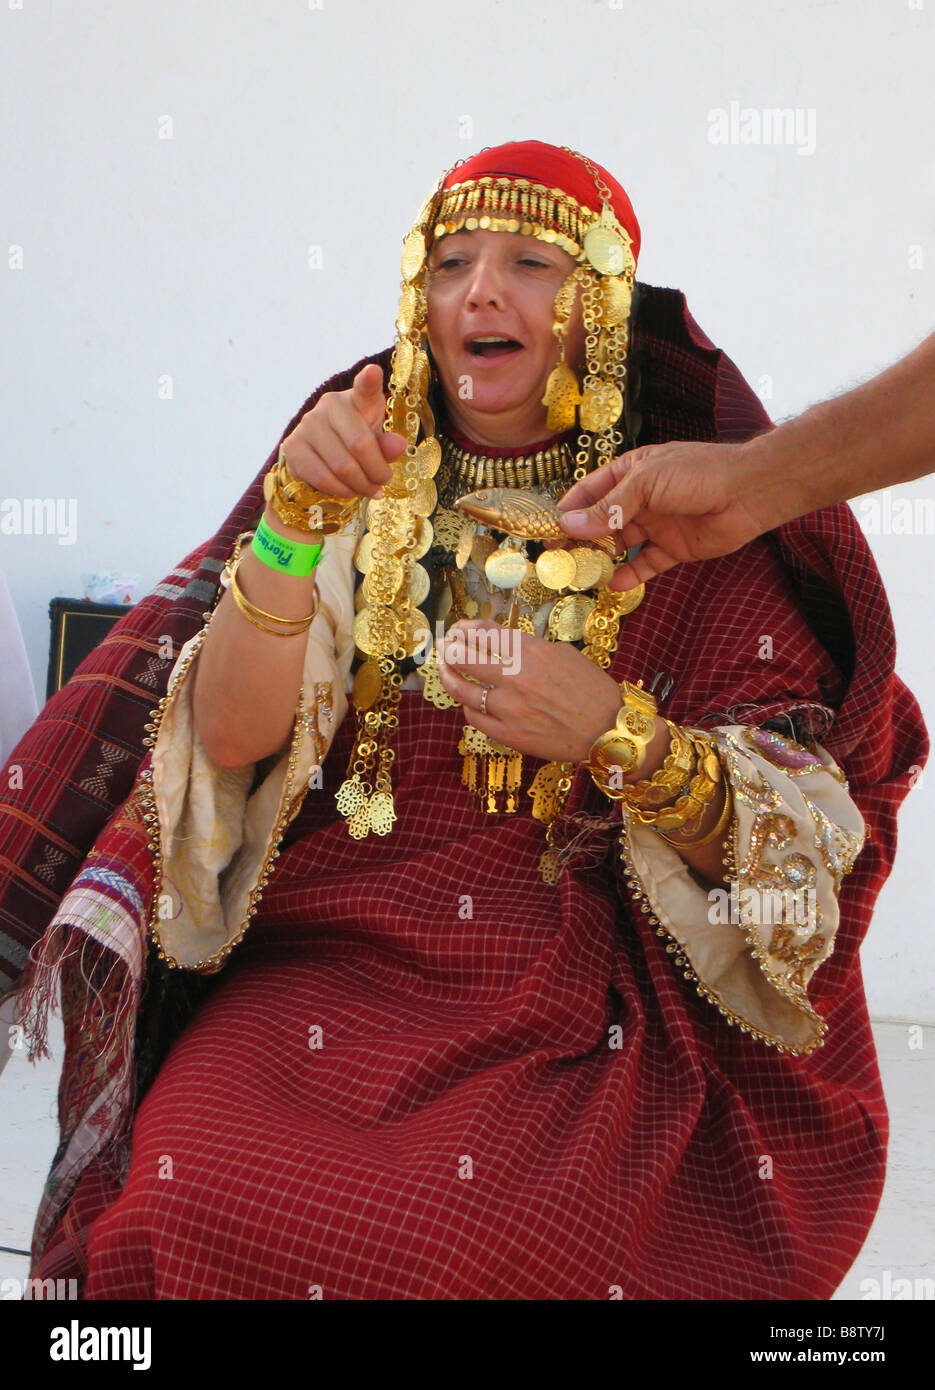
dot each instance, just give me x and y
(282, 555)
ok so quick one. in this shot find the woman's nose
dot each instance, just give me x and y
(485, 286)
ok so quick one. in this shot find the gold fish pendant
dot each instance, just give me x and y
(515, 511)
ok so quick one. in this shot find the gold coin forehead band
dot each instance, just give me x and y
(515, 205)
(532, 209)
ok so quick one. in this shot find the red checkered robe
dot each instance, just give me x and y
(388, 1093)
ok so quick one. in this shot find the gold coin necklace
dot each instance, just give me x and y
(574, 580)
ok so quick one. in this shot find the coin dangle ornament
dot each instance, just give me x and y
(601, 406)
(507, 566)
(483, 546)
(568, 617)
(413, 255)
(367, 685)
(465, 546)
(408, 308)
(556, 569)
(403, 358)
(607, 245)
(587, 567)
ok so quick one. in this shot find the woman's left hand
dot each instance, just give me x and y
(545, 698)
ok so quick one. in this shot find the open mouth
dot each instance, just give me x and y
(493, 347)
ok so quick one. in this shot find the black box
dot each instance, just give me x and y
(77, 628)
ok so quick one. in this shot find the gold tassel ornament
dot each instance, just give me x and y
(563, 390)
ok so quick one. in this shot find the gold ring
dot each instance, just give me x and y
(483, 699)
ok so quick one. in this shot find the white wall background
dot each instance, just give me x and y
(296, 125)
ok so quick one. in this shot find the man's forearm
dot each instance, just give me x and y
(877, 435)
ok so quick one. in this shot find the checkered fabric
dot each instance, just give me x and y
(424, 1074)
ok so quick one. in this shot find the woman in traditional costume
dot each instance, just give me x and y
(466, 930)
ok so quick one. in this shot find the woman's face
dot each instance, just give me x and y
(497, 285)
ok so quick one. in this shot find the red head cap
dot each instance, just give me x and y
(541, 190)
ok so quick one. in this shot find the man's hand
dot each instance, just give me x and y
(682, 500)
(695, 501)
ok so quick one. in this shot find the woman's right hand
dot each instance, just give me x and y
(340, 446)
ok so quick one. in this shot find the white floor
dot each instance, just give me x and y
(900, 1246)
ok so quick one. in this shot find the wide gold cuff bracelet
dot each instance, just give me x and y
(299, 505)
(623, 748)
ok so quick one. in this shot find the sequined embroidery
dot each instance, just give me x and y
(790, 881)
(753, 790)
(786, 946)
(775, 881)
(838, 848)
(790, 757)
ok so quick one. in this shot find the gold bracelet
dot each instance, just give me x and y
(690, 806)
(692, 803)
(706, 763)
(723, 821)
(302, 506)
(623, 748)
(284, 627)
(670, 780)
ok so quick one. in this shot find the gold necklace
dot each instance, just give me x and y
(468, 470)
(492, 771)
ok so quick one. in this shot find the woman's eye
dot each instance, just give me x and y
(531, 260)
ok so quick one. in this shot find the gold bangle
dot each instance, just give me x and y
(283, 627)
(723, 821)
(298, 504)
(708, 760)
(295, 517)
(623, 748)
(670, 780)
(692, 803)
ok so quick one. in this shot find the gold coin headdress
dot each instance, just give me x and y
(391, 627)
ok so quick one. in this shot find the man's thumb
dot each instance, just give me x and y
(589, 521)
